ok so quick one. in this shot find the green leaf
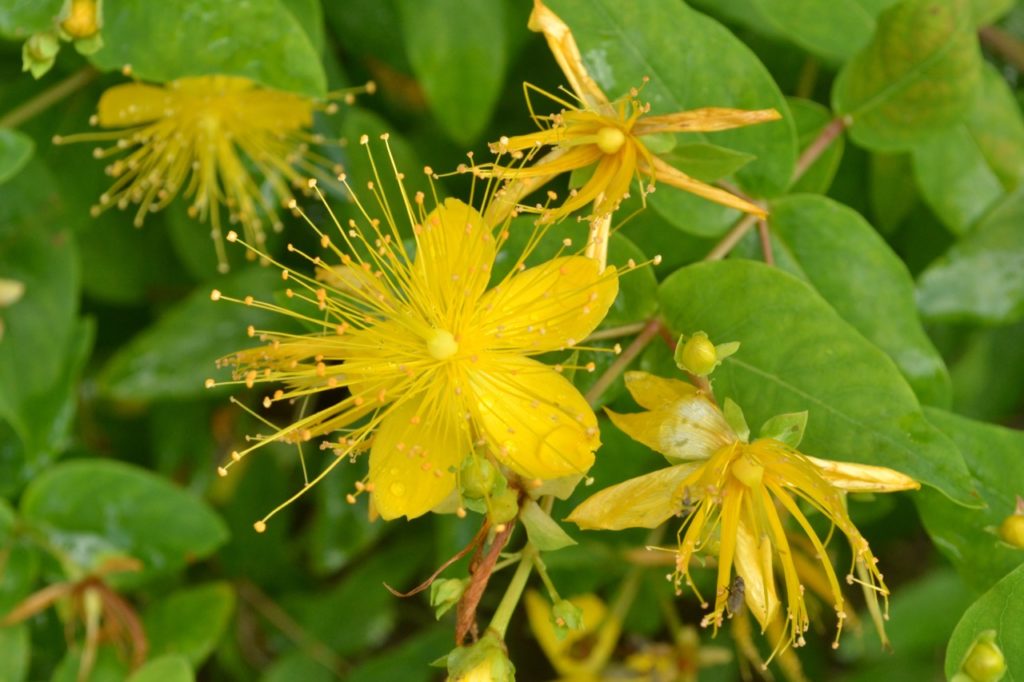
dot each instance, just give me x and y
(36, 397)
(20, 562)
(1000, 609)
(981, 278)
(810, 119)
(917, 76)
(164, 669)
(15, 150)
(706, 162)
(221, 38)
(297, 666)
(170, 359)
(830, 246)
(798, 354)
(457, 51)
(544, 532)
(833, 30)
(190, 622)
(692, 61)
(339, 531)
(892, 192)
(964, 171)
(968, 537)
(15, 647)
(988, 356)
(109, 667)
(94, 507)
(21, 18)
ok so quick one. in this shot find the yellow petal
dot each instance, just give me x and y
(754, 565)
(670, 175)
(567, 53)
(130, 104)
(535, 420)
(652, 392)
(548, 307)
(687, 429)
(454, 253)
(412, 459)
(643, 502)
(863, 477)
(704, 120)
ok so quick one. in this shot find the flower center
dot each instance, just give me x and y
(747, 471)
(610, 140)
(441, 344)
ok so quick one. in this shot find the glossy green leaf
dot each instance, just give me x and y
(15, 648)
(37, 252)
(981, 278)
(221, 38)
(830, 246)
(543, 531)
(798, 354)
(15, 150)
(963, 171)
(980, 388)
(833, 30)
(190, 622)
(92, 508)
(21, 562)
(918, 75)
(692, 61)
(310, 14)
(1000, 609)
(21, 18)
(706, 162)
(969, 537)
(987, 11)
(164, 669)
(892, 192)
(810, 119)
(171, 360)
(457, 51)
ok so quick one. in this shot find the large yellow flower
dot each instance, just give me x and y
(216, 139)
(609, 137)
(735, 497)
(418, 360)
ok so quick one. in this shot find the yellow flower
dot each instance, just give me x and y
(216, 139)
(418, 360)
(608, 136)
(735, 497)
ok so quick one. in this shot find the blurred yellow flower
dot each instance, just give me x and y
(215, 139)
(579, 655)
(734, 497)
(608, 136)
(423, 363)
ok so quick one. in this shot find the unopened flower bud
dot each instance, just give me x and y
(503, 507)
(39, 53)
(446, 593)
(566, 616)
(82, 20)
(1011, 530)
(485, 661)
(699, 356)
(478, 477)
(985, 661)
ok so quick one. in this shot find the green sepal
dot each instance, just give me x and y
(734, 418)
(544, 532)
(786, 428)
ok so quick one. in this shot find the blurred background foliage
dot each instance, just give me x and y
(109, 441)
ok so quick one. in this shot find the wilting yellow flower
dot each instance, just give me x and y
(735, 497)
(216, 139)
(418, 360)
(608, 136)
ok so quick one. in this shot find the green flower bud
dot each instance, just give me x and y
(446, 593)
(985, 661)
(699, 356)
(478, 477)
(566, 616)
(485, 661)
(1011, 530)
(39, 52)
(503, 507)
